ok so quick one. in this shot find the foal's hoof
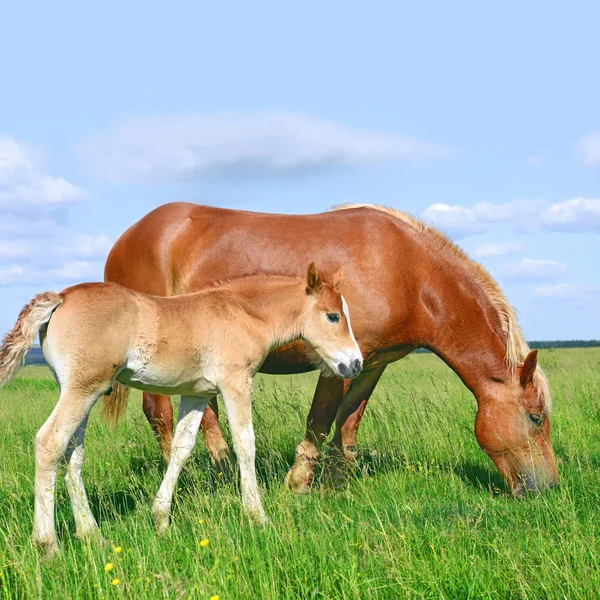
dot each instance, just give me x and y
(48, 548)
(161, 519)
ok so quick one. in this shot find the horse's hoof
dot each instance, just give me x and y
(48, 548)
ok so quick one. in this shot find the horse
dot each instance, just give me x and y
(409, 287)
(97, 335)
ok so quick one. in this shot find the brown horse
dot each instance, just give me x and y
(196, 345)
(408, 286)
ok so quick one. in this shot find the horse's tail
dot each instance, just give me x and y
(114, 405)
(17, 342)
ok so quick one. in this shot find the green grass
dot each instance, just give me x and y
(424, 516)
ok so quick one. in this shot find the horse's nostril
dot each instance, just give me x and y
(357, 365)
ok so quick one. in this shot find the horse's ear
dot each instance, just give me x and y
(313, 279)
(528, 368)
(337, 278)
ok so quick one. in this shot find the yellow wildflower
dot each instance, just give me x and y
(108, 567)
(201, 521)
(204, 542)
(116, 581)
(215, 597)
(118, 549)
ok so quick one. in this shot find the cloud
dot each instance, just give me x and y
(559, 290)
(531, 269)
(241, 145)
(69, 272)
(589, 149)
(499, 248)
(87, 246)
(11, 250)
(460, 221)
(538, 159)
(578, 214)
(23, 182)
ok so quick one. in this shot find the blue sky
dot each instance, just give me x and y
(482, 119)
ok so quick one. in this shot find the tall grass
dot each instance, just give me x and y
(425, 515)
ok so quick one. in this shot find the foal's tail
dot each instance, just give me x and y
(17, 342)
(114, 405)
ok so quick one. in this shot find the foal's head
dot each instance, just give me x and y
(512, 426)
(327, 325)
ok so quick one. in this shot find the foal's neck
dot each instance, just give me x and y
(277, 303)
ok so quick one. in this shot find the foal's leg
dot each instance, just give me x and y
(85, 524)
(51, 443)
(191, 409)
(327, 399)
(238, 405)
(350, 412)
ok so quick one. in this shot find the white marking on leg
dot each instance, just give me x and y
(239, 413)
(85, 524)
(191, 409)
(51, 443)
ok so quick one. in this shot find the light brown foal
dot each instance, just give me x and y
(196, 345)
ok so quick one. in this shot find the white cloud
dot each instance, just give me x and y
(11, 250)
(559, 290)
(499, 248)
(531, 269)
(589, 149)
(69, 272)
(578, 214)
(460, 221)
(87, 246)
(241, 145)
(23, 181)
(538, 159)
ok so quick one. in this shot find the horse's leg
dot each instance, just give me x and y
(327, 399)
(51, 443)
(159, 412)
(191, 409)
(220, 457)
(350, 412)
(238, 405)
(85, 524)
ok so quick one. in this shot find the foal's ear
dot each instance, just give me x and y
(528, 368)
(337, 278)
(313, 279)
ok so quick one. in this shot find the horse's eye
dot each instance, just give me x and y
(333, 317)
(535, 419)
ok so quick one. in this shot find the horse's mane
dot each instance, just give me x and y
(248, 277)
(516, 345)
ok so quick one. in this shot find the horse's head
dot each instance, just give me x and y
(513, 428)
(327, 325)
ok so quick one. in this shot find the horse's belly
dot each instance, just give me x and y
(149, 378)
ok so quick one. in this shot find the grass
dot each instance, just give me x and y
(424, 516)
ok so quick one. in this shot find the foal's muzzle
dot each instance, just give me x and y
(350, 369)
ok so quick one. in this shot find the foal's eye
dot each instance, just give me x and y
(333, 317)
(535, 419)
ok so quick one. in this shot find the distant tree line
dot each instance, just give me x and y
(35, 356)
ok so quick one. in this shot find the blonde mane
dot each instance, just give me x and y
(516, 346)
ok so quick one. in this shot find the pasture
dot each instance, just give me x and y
(425, 514)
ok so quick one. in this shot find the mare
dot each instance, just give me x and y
(97, 335)
(408, 286)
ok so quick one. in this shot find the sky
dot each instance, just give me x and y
(481, 119)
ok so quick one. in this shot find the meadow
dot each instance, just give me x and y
(424, 515)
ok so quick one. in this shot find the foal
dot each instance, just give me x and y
(196, 345)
